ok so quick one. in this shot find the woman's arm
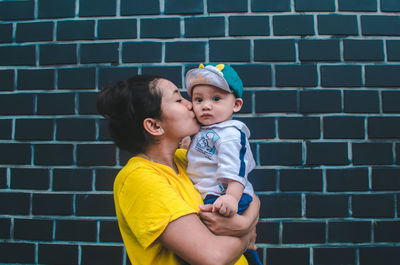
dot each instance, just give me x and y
(190, 239)
(236, 225)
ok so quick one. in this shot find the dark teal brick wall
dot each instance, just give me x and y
(322, 101)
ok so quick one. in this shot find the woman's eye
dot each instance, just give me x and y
(179, 100)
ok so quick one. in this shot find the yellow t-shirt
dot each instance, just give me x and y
(148, 196)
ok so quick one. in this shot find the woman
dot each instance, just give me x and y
(157, 206)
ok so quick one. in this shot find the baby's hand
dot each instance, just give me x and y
(226, 205)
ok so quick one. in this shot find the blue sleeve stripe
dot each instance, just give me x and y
(242, 170)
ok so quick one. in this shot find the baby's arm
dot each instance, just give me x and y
(227, 205)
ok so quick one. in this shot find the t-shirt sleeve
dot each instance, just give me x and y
(149, 203)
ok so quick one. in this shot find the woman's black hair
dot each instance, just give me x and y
(125, 105)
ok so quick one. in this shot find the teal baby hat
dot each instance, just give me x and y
(222, 76)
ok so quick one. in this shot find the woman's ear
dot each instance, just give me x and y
(153, 127)
(238, 104)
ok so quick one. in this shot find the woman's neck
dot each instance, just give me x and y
(162, 154)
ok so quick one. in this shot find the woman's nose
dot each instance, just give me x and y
(188, 104)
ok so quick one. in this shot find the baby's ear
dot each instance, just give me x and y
(238, 104)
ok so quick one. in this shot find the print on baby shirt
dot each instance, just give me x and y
(206, 143)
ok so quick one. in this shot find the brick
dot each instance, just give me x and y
(117, 29)
(96, 154)
(172, 73)
(226, 6)
(138, 7)
(387, 231)
(281, 154)
(393, 50)
(300, 180)
(260, 128)
(343, 127)
(7, 78)
(327, 153)
(390, 101)
(56, 9)
(363, 50)
(95, 205)
(254, 75)
(87, 103)
(274, 50)
(104, 134)
(374, 255)
(204, 27)
(77, 78)
(14, 203)
(72, 180)
(27, 229)
(109, 232)
(93, 255)
(296, 75)
(357, 5)
(319, 50)
(382, 75)
(17, 10)
(17, 55)
(105, 179)
(6, 33)
(229, 50)
(320, 101)
(380, 25)
(341, 76)
(248, 102)
(383, 127)
(270, 5)
(15, 154)
(44, 154)
(37, 79)
(284, 25)
(390, 5)
(92, 8)
(16, 104)
(56, 104)
(372, 153)
(299, 128)
(53, 54)
(110, 75)
(76, 230)
(340, 25)
(183, 7)
(397, 154)
(334, 255)
(17, 253)
(3, 179)
(5, 228)
(124, 156)
(349, 232)
(143, 52)
(325, 206)
(51, 253)
(280, 206)
(303, 232)
(185, 51)
(248, 26)
(373, 206)
(350, 179)
(75, 30)
(268, 232)
(361, 102)
(314, 5)
(52, 204)
(100, 53)
(385, 179)
(34, 32)
(160, 28)
(263, 179)
(288, 256)
(30, 178)
(5, 129)
(76, 129)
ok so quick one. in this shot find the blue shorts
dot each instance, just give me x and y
(244, 202)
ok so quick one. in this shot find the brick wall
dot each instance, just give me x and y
(322, 100)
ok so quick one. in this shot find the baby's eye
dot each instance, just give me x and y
(198, 99)
(216, 98)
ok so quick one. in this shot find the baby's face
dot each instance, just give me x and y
(213, 105)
